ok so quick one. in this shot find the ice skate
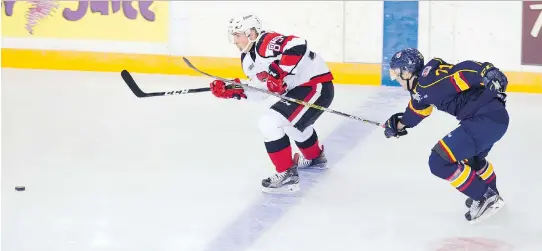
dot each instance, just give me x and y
(483, 209)
(469, 201)
(286, 182)
(319, 163)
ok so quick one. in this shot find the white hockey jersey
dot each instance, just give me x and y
(291, 53)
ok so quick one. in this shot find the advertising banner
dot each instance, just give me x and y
(112, 20)
(531, 41)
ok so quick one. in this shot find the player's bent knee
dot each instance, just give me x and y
(437, 164)
(438, 160)
(270, 127)
(442, 153)
(299, 136)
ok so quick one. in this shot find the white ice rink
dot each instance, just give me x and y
(106, 171)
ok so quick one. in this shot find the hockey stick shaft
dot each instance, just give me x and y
(301, 102)
(129, 80)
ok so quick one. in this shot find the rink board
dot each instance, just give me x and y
(360, 36)
(345, 73)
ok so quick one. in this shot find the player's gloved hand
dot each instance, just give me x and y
(275, 79)
(221, 90)
(391, 126)
(493, 78)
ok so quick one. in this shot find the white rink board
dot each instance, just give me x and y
(341, 31)
(460, 30)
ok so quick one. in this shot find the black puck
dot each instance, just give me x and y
(20, 188)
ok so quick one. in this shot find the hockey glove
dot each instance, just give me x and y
(275, 79)
(220, 90)
(391, 126)
(493, 78)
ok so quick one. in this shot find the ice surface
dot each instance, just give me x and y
(105, 170)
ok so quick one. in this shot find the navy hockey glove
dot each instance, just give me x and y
(493, 78)
(391, 126)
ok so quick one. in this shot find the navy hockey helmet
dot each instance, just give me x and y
(406, 60)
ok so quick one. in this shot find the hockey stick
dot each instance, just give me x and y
(301, 102)
(129, 80)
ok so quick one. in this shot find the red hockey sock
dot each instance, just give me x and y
(312, 152)
(310, 148)
(282, 159)
(280, 152)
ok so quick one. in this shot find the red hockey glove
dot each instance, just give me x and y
(275, 79)
(220, 90)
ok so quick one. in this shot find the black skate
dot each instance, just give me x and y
(286, 182)
(319, 163)
(490, 204)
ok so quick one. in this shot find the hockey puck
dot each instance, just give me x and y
(20, 188)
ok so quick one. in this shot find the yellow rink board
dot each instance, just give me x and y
(345, 73)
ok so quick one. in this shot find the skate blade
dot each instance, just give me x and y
(322, 166)
(498, 205)
(285, 190)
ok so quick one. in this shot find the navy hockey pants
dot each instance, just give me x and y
(459, 157)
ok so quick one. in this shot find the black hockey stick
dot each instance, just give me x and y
(129, 80)
(301, 102)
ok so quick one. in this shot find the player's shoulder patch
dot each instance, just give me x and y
(426, 70)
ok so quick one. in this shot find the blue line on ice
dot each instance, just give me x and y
(263, 213)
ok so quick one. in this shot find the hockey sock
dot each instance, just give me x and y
(280, 152)
(460, 176)
(487, 174)
(485, 170)
(310, 148)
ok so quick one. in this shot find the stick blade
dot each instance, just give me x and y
(129, 80)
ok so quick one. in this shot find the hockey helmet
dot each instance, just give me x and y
(244, 24)
(407, 60)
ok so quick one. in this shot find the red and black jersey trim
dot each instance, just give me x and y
(292, 56)
(322, 78)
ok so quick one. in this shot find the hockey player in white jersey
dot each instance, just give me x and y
(285, 65)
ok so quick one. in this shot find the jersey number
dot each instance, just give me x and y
(443, 68)
(276, 43)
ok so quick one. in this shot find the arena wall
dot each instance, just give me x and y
(356, 38)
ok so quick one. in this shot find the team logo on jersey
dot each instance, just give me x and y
(416, 97)
(426, 71)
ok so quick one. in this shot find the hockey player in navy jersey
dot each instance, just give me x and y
(471, 91)
(283, 64)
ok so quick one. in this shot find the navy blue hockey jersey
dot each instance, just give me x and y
(455, 89)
